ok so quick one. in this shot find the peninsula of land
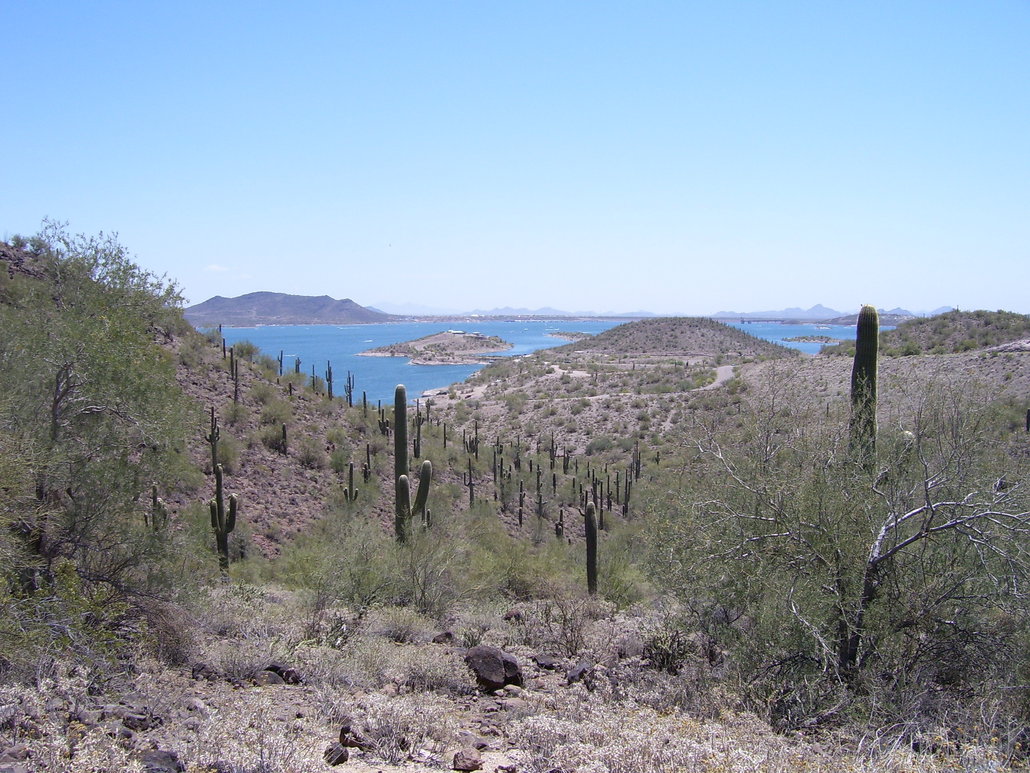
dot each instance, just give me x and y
(450, 347)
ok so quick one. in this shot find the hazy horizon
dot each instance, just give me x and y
(676, 158)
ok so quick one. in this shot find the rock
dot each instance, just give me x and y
(546, 662)
(196, 704)
(444, 637)
(337, 754)
(139, 721)
(267, 679)
(493, 668)
(289, 674)
(581, 672)
(204, 671)
(353, 738)
(161, 761)
(467, 759)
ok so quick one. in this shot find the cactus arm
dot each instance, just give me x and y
(422, 495)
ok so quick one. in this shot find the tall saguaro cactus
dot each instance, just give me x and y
(223, 520)
(863, 385)
(590, 529)
(404, 510)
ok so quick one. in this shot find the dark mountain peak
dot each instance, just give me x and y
(269, 308)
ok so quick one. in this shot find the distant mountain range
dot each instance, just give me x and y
(265, 308)
(820, 313)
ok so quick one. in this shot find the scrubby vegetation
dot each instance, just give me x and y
(950, 333)
(757, 589)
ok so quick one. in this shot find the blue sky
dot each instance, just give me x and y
(676, 157)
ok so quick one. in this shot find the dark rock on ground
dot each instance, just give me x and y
(162, 761)
(493, 668)
(467, 759)
(288, 674)
(581, 672)
(445, 637)
(547, 662)
(337, 754)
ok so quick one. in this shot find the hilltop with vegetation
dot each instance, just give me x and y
(678, 337)
(950, 333)
(669, 545)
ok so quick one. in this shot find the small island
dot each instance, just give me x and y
(813, 339)
(449, 347)
(570, 335)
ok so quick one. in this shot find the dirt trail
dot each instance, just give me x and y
(722, 374)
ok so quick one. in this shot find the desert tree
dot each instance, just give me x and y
(916, 572)
(92, 396)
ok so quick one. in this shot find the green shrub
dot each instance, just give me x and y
(310, 453)
(244, 350)
(235, 413)
(262, 393)
(277, 412)
(271, 437)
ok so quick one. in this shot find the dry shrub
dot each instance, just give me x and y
(568, 622)
(171, 632)
(369, 662)
(400, 624)
(430, 668)
(251, 737)
(401, 726)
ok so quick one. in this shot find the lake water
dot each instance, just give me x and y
(377, 376)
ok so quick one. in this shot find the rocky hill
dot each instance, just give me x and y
(265, 308)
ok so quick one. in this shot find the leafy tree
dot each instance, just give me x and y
(92, 401)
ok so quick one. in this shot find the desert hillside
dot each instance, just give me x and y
(665, 547)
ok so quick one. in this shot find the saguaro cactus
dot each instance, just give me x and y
(590, 529)
(404, 510)
(863, 385)
(223, 520)
(212, 438)
(350, 491)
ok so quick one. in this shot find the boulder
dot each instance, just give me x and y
(493, 668)
(581, 672)
(337, 754)
(162, 761)
(467, 759)
(288, 674)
